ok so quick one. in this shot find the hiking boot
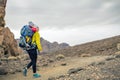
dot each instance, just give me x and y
(36, 75)
(25, 72)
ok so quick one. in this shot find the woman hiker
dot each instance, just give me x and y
(33, 52)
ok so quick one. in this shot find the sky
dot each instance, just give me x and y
(71, 21)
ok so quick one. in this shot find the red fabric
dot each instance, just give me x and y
(34, 29)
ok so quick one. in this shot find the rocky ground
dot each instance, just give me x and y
(108, 69)
(60, 67)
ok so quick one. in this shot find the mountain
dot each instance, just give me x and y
(51, 47)
(101, 47)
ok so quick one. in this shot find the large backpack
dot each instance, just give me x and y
(26, 37)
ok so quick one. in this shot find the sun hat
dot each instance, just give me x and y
(31, 23)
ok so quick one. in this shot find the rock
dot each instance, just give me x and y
(51, 78)
(116, 79)
(18, 70)
(60, 56)
(12, 58)
(1, 39)
(0, 62)
(3, 3)
(85, 55)
(3, 71)
(1, 51)
(4, 59)
(63, 64)
(50, 60)
(74, 70)
(117, 53)
(117, 56)
(61, 76)
(2, 12)
(40, 57)
(9, 43)
(118, 46)
(101, 63)
(109, 58)
(92, 64)
(12, 71)
(45, 64)
(19, 57)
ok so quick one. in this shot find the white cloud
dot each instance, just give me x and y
(72, 21)
(80, 35)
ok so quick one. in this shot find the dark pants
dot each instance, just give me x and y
(33, 56)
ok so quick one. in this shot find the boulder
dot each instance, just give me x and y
(2, 12)
(118, 46)
(8, 45)
(8, 42)
(3, 71)
(1, 39)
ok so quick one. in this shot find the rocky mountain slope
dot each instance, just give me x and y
(100, 47)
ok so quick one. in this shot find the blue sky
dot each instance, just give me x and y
(71, 21)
